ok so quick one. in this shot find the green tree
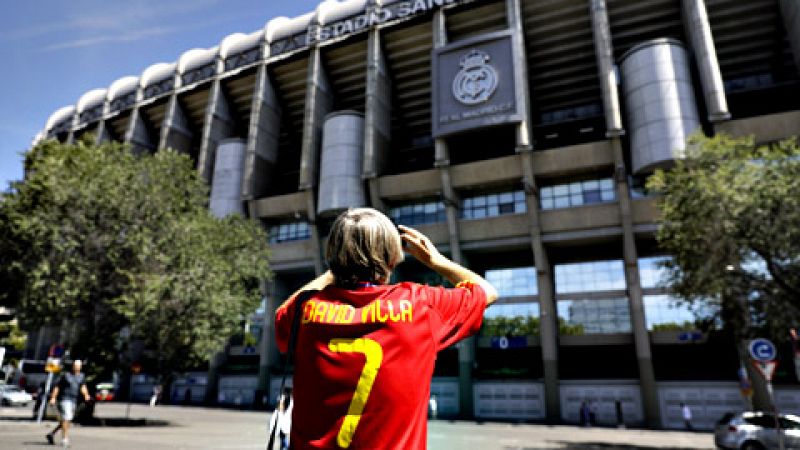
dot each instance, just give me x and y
(11, 336)
(120, 249)
(731, 221)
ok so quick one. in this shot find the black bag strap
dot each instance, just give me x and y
(298, 311)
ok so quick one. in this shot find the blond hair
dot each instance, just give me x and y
(363, 246)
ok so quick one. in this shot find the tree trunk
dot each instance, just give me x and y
(760, 400)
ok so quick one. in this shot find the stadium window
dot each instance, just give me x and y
(578, 193)
(652, 274)
(666, 313)
(594, 276)
(492, 205)
(289, 231)
(513, 282)
(511, 319)
(418, 213)
(593, 316)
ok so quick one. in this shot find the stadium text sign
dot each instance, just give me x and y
(373, 16)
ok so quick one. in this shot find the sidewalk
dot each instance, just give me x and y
(176, 427)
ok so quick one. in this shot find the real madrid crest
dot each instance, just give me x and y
(477, 80)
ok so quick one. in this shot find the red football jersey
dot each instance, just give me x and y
(364, 361)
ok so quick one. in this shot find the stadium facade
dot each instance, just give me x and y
(517, 134)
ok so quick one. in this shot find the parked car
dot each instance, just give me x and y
(757, 431)
(30, 374)
(104, 392)
(11, 395)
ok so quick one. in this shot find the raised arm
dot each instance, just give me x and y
(420, 247)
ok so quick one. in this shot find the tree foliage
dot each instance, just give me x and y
(123, 249)
(731, 221)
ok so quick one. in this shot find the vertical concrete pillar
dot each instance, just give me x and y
(641, 337)
(695, 19)
(660, 101)
(790, 10)
(341, 161)
(548, 320)
(604, 52)
(319, 102)
(74, 121)
(103, 132)
(269, 356)
(175, 131)
(218, 124)
(466, 348)
(262, 137)
(226, 198)
(377, 117)
(137, 134)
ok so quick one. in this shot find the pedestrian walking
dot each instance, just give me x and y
(433, 405)
(686, 412)
(156, 395)
(586, 415)
(282, 418)
(366, 348)
(65, 394)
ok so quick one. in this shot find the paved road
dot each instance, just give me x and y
(173, 427)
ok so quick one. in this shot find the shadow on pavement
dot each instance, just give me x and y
(99, 422)
(609, 446)
(122, 422)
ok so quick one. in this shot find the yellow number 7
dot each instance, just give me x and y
(374, 354)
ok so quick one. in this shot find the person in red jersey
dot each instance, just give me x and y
(365, 349)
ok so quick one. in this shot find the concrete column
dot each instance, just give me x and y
(548, 320)
(269, 356)
(218, 124)
(103, 132)
(695, 19)
(137, 134)
(319, 102)
(604, 52)
(466, 348)
(262, 137)
(316, 238)
(377, 117)
(641, 337)
(226, 195)
(175, 131)
(74, 121)
(790, 10)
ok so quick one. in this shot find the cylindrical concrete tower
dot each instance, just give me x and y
(660, 102)
(340, 185)
(227, 182)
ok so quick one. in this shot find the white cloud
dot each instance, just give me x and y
(125, 36)
(111, 17)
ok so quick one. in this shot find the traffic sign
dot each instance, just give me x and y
(56, 351)
(762, 350)
(767, 368)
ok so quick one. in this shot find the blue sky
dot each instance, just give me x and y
(54, 51)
